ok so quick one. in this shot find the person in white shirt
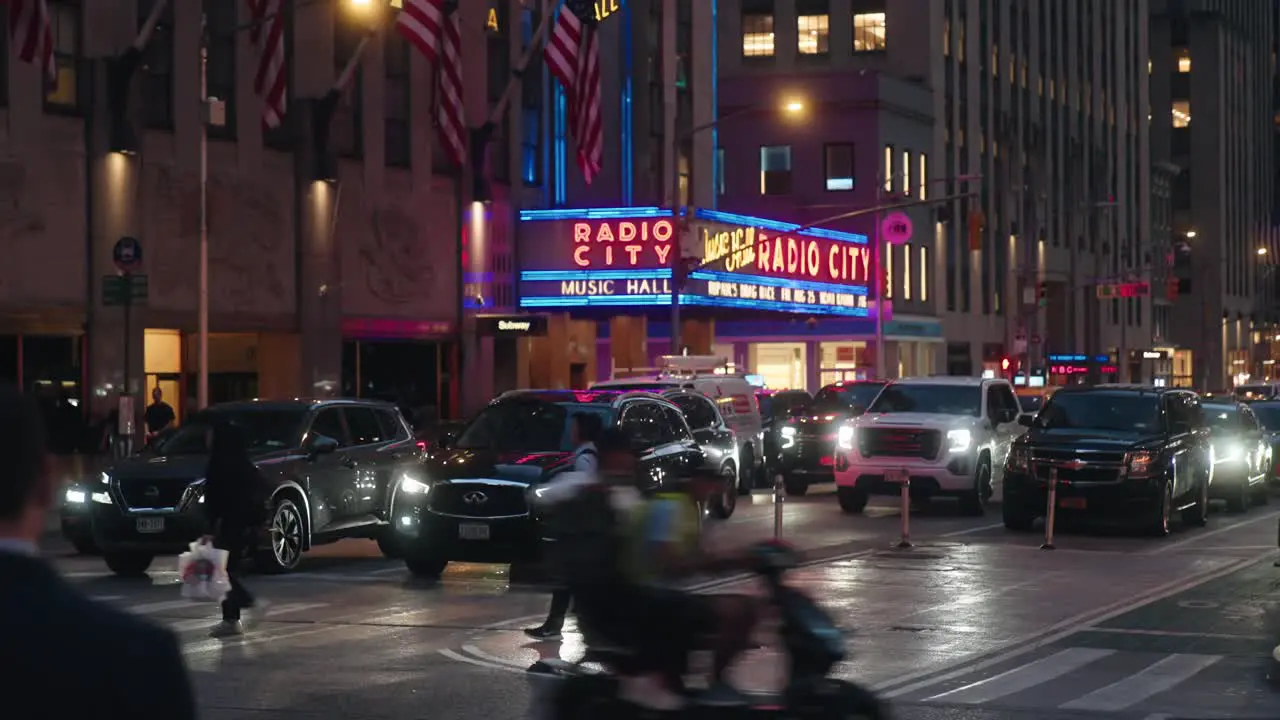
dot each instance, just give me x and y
(584, 430)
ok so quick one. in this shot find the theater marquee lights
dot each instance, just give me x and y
(623, 257)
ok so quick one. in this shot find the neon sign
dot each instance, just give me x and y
(605, 8)
(623, 257)
(1080, 369)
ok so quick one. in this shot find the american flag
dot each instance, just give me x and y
(270, 81)
(573, 56)
(31, 35)
(432, 26)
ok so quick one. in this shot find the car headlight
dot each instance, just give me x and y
(959, 440)
(104, 499)
(844, 437)
(1019, 460)
(413, 486)
(1140, 463)
(105, 478)
(75, 497)
(788, 436)
(1226, 451)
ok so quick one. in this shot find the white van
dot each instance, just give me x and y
(731, 391)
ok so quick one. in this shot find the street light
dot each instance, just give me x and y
(791, 107)
(1191, 234)
(1262, 251)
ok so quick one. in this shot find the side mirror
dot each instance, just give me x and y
(1026, 419)
(321, 445)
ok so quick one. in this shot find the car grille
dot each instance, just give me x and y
(899, 442)
(498, 500)
(153, 492)
(1097, 467)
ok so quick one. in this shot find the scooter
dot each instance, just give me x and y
(588, 689)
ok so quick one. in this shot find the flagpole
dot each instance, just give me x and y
(517, 72)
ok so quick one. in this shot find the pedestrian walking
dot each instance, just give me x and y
(234, 504)
(125, 666)
(584, 432)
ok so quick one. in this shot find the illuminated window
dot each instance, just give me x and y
(922, 177)
(719, 171)
(946, 37)
(960, 42)
(775, 170)
(1149, 66)
(1184, 59)
(924, 274)
(812, 32)
(906, 173)
(906, 272)
(1181, 113)
(995, 60)
(868, 32)
(757, 35)
(888, 270)
(64, 24)
(838, 166)
(888, 168)
(683, 165)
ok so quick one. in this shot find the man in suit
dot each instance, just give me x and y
(55, 638)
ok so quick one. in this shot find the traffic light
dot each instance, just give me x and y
(976, 223)
(1042, 293)
(1005, 364)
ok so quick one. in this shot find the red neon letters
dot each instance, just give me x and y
(622, 244)
(752, 251)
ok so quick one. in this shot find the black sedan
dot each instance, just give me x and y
(809, 438)
(472, 502)
(330, 464)
(1241, 455)
(776, 408)
(1268, 414)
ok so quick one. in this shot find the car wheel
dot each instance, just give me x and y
(723, 504)
(285, 539)
(974, 502)
(852, 500)
(425, 563)
(128, 564)
(1238, 501)
(1198, 515)
(1158, 525)
(794, 486)
(1015, 519)
(390, 545)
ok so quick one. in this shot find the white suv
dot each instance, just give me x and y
(949, 434)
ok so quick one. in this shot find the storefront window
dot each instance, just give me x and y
(842, 361)
(782, 365)
(1183, 370)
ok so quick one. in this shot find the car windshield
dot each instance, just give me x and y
(263, 429)
(526, 426)
(929, 398)
(1255, 392)
(1117, 412)
(1222, 417)
(838, 398)
(1268, 415)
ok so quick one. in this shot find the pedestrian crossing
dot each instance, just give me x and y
(186, 616)
(1107, 680)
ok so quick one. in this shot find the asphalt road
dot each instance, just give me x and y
(971, 623)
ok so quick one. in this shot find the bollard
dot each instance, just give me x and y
(904, 478)
(1052, 511)
(779, 497)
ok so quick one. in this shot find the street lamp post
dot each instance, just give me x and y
(680, 214)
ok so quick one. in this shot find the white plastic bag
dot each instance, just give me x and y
(203, 571)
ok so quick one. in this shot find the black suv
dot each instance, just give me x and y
(332, 464)
(1121, 452)
(471, 502)
(808, 440)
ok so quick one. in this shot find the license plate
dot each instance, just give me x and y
(150, 524)
(827, 461)
(1072, 503)
(473, 532)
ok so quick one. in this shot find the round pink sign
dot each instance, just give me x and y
(896, 228)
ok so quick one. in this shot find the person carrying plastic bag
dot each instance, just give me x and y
(203, 571)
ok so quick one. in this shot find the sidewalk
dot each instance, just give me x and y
(70, 469)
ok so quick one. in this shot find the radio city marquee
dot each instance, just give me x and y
(622, 257)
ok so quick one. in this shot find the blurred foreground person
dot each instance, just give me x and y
(123, 666)
(234, 506)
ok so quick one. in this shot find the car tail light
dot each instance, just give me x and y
(422, 445)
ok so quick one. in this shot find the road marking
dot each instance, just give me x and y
(477, 652)
(272, 611)
(915, 681)
(452, 655)
(1216, 531)
(1197, 604)
(1157, 678)
(159, 607)
(972, 530)
(1174, 633)
(105, 598)
(328, 625)
(1022, 678)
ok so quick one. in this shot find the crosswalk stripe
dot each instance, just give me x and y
(273, 611)
(159, 607)
(1156, 678)
(1022, 678)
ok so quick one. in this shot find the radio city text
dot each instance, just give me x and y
(751, 251)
